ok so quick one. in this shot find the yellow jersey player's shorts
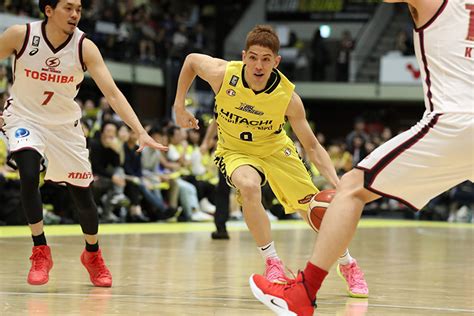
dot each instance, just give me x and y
(284, 171)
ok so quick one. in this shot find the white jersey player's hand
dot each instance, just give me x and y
(145, 140)
(186, 119)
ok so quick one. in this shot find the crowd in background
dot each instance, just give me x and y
(181, 183)
(146, 31)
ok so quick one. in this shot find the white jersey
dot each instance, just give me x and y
(445, 50)
(47, 79)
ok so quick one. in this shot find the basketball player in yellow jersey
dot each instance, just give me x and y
(252, 101)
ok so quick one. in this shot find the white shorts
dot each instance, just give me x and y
(63, 146)
(433, 156)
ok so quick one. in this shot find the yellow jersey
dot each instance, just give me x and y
(252, 122)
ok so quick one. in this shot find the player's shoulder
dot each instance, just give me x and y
(88, 43)
(15, 36)
(90, 50)
(284, 81)
(17, 30)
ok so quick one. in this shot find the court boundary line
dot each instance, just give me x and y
(110, 296)
(173, 228)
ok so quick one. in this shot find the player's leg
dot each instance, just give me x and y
(248, 181)
(293, 187)
(28, 162)
(222, 209)
(91, 257)
(299, 297)
(68, 161)
(404, 169)
(246, 175)
(339, 224)
(348, 269)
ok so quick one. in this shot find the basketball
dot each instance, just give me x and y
(317, 207)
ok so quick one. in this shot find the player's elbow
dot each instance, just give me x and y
(191, 60)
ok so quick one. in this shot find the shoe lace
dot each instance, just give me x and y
(98, 263)
(38, 259)
(355, 275)
(275, 270)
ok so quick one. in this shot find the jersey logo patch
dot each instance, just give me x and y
(306, 199)
(233, 81)
(35, 41)
(21, 133)
(249, 109)
(53, 62)
(230, 92)
(33, 51)
(287, 152)
(80, 175)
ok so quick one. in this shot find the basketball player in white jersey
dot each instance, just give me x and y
(433, 156)
(41, 121)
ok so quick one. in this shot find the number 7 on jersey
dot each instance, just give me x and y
(49, 96)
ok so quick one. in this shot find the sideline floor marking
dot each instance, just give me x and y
(167, 228)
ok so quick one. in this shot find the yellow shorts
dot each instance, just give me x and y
(285, 172)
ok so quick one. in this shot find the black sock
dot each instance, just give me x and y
(92, 248)
(39, 240)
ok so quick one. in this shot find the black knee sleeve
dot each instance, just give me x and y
(84, 201)
(28, 163)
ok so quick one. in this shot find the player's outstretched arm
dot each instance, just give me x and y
(100, 73)
(316, 153)
(12, 40)
(207, 68)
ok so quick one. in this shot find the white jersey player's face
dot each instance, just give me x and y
(66, 15)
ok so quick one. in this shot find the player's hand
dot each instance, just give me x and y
(204, 148)
(186, 119)
(145, 140)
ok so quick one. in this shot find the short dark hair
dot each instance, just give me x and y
(43, 3)
(156, 129)
(104, 124)
(172, 130)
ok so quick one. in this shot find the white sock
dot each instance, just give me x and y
(345, 258)
(268, 251)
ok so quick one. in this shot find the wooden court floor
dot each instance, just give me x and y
(413, 268)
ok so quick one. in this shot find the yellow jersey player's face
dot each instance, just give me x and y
(66, 15)
(259, 62)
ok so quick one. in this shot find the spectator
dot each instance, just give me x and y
(320, 57)
(109, 179)
(155, 179)
(404, 43)
(134, 188)
(359, 130)
(346, 45)
(177, 156)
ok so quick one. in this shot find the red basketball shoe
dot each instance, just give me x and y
(41, 264)
(284, 299)
(95, 265)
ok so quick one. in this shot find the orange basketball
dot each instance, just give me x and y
(317, 207)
